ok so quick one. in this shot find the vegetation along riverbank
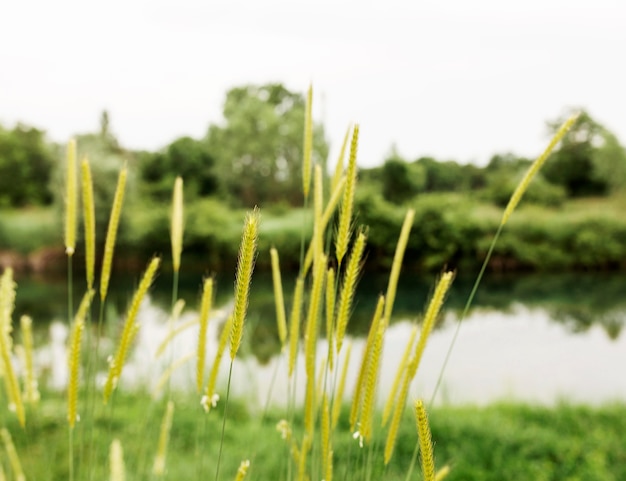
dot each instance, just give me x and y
(571, 217)
(379, 435)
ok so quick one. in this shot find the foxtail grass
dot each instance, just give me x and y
(158, 469)
(242, 470)
(111, 236)
(338, 174)
(71, 194)
(177, 223)
(129, 331)
(396, 266)
(329, 210)
(31, 389)
(337, 402)
(89, 218)
(368, 353)
(425, 442)
(330, 314)
(210, 398)
(243, 278)
(372, 364)
(14, 460)
(294, 324)
(432, 313)
(391, 399)
(205, 308)
(74, 357)
(245, 267)
(307, 147)
(512, 204)
(7, 304)
(346, 295)
(116, 461)
(310, 341)
(281, 319)
(347, 203)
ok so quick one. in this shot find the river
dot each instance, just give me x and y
(541, 339)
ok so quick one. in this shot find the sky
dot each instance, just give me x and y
(454, 79)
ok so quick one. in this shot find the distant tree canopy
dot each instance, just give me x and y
(258, 148)
(401, 180)
(186, 157)
(589, 161)
(26, 162)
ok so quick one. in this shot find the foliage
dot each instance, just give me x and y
(402, 181)
(500, 442)
(258, 149)
(26, 162)
(186, 157)
(590, 160)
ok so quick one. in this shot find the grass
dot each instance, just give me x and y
(502, 442)
(201, 440)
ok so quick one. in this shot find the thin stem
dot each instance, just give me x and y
(71, 453)
(468, 304)
(70, 310)
(171, 327)
(219, 456)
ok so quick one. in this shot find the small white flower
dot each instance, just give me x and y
(205, 401)
(283, 428)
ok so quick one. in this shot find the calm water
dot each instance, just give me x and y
(534, 338)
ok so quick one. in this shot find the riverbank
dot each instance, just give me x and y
(454, 230)
(500, 442)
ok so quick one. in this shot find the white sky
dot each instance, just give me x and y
(450, 78)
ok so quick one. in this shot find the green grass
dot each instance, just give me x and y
(500, 442)
(27, 230)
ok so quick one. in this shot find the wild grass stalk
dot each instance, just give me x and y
(205, 308)
(116, 461)
(307, 148)
(513, 202)
(129, 331)
(31, 390)
(425, 442)
(281, 319)
(243, 278)
(348, 286)
(7, 304)
(111, 236)
(158, 468)
(89, 220)
(347, 203)
(14, 460)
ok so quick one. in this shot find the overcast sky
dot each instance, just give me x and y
(450, 78)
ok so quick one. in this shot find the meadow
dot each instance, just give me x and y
(97, 429)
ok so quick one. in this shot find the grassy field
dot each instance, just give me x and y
(501, 442)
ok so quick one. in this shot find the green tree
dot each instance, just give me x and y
(258, 147)
(401, 180)
(186, 157)
(589, 161)
(445, 176)
(26, 162)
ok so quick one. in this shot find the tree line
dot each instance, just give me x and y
(254, 157)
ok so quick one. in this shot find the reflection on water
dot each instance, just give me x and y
(520, 355)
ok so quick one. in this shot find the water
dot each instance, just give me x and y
(535, 338)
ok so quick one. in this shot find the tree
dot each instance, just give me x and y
(401, 180)
(589, 161)
(445, 176)
(258, 148)
(26, 162)
(186, 157)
